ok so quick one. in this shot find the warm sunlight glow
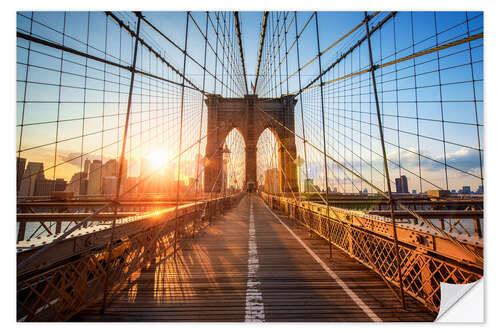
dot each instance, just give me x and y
(158, 159)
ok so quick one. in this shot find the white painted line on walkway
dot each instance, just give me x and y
(254, 309)
(366, 309)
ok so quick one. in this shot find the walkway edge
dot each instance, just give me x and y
(366, 309)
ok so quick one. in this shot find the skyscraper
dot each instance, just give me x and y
(402, 185)
(95, 172)
(78, 184)
(109, 185)
(45, 187)
(32, 174)
(466, 190)
(480, 189)
(110, 168)
(86, 167)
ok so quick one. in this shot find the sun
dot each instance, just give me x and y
(158, 158)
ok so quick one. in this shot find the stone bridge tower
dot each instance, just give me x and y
(247, 115)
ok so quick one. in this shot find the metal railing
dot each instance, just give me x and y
(426, 259)
(72, 275)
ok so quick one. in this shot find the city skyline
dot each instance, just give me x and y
(341, 152)
(432, 130)
(100, 178)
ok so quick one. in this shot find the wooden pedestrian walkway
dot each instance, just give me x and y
(251, 265)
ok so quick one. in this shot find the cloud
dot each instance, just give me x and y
(73, 158)
(463, 159)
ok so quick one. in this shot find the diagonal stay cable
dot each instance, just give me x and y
(402, 206)
(159, 56)
(351, 49)
(327, 49)
(336, 217)
(97, 212)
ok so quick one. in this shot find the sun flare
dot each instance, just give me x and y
(158, 159)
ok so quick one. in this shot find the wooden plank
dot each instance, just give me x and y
(208, 281)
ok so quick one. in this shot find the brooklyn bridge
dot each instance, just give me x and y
(247, 166)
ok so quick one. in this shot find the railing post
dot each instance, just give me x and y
(382, 142)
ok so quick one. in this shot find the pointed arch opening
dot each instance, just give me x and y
(234, 168)
(268, 162)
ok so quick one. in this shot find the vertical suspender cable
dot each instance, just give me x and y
(180, 141)
(388, 180)
(323, 128)
(197, 185)
(122, 159)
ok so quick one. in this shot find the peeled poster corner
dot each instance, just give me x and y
(462, 303)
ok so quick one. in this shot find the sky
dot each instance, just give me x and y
(65, 101)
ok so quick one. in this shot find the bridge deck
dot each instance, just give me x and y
(214, 280)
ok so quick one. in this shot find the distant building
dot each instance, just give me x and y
(32, 174)
(33, 182)
(45, 187)
(402, 185)
(21, 165)
(128, 184)
(109, 184)
(480, 189)
(86, 168)
(109, 168)
(78, 184)
(95, 172)
(309, 185)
